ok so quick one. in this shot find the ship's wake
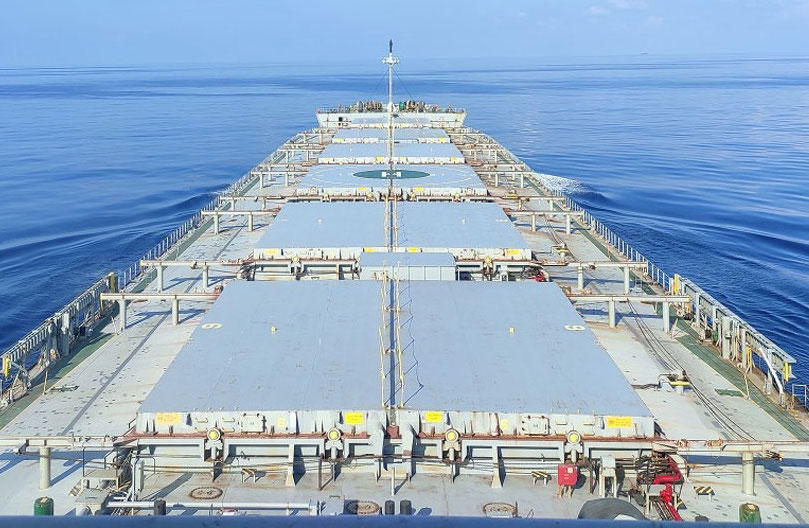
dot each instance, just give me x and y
(561, 184)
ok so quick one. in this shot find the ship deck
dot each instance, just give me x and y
(439, 180)
(101, 394)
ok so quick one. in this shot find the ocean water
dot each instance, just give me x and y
(702, 163)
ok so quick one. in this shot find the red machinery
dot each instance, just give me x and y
(662, 471)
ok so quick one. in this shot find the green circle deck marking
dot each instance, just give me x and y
(395, 174)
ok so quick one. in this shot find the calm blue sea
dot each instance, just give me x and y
(701, 163)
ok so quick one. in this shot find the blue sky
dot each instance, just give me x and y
(153, 32)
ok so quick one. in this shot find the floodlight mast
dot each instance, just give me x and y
(390, 60)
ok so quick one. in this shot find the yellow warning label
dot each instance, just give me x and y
(272, 251)
(505, 425)
(412, 250)
(434, 417)
(619, 421)
(362, 189)
(168, 418)
(353, 418)
(369, 250)
(281, 422)
(418, 189)
(513, 252)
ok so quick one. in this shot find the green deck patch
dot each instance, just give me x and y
(729, 392)
(56, 373)
(735, 377)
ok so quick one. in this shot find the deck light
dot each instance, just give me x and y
(214, 434)
(334, 434)
(573, 437)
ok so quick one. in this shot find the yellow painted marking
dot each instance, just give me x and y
(619, 421)
(281, 422)
(434, 417)
(170, 418)
(353, 418)
(513, 252)
(211, 326)
(369, 250)
(272, 251)
(412, 250)
(505, 425)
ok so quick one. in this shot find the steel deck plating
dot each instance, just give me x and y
(373, 135)
(377, 153)
(345, 230)
(471, 346)
(445, 180)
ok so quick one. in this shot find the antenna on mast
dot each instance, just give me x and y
(390, 60)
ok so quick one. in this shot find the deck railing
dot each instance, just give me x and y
(364, 109)
(746, 346)
(713, 314)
